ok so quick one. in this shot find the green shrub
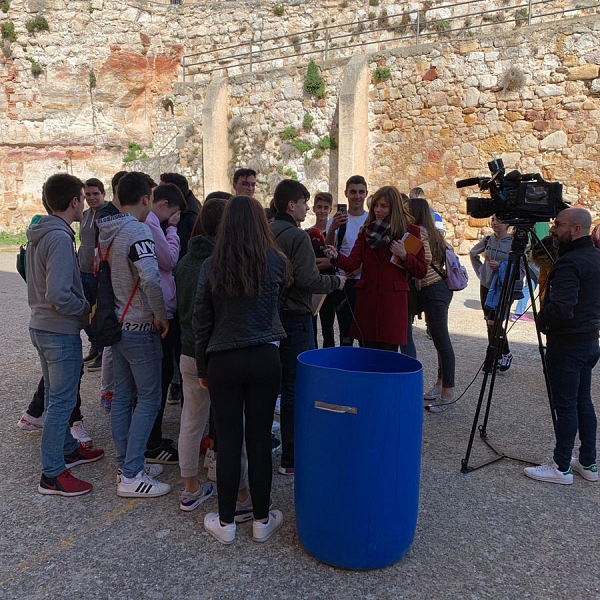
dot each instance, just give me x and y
(8, 31)
(4, 6)
(442, 26)
(373, 2)
(327, 143)
(297, 43)
(381, 74)
(92, 80)
(372, 15)
(134, 152)
(301, 145)
(36, 24)
(313, 82)
(278, 10)
(289, 133)
(307, 122)
(291, 174)
(521, 15)
(36, 68)
(318, 153)
(13, 239)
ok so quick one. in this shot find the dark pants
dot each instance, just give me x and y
(88, 280)
(177, 352)
(490, 315)
(344, 309)
(436, 300)
(36, 406)
(570, 375)
(381, 346)
(155, 439)
(244, 381)
(298, 330)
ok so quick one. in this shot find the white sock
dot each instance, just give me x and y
(127, 479)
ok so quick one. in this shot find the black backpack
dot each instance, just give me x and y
(105, 328)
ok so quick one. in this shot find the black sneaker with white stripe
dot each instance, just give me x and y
(165, 454)
(143, 486)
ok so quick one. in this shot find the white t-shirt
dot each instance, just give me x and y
(352, 228)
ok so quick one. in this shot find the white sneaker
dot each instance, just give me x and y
(210, 455)
(434, 393)
(81, 435)
(192, 500)
(588, 473)
(222, 533)
(29, 423)
(261, 532)
(212, 470)
(505, 364)
(550, 474)
(143, 486)
(441, 404)
(278, 405)
(151, 471)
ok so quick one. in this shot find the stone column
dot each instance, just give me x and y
(215, 149)
(353, 143)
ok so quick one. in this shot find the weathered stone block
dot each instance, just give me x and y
(554, 141)
(584, 72)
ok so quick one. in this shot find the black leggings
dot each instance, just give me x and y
(244, 381)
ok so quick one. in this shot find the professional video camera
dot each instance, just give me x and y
(514, 196)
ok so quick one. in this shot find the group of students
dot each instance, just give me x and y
(231, 296)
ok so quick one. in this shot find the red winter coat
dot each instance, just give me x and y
(381, 309)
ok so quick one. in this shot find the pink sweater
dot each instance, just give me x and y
(167, 253)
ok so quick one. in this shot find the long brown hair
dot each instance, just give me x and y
(419, 207)
(399, 217)
(239, 260)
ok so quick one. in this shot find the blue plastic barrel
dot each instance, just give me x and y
(359, 422)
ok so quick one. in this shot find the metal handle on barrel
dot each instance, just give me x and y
(336, 408)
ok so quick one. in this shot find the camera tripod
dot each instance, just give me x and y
(516, 257)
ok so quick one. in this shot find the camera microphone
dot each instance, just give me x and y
(468, 182)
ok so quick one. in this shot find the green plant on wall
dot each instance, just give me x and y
(93, 81)
(278, 10)
(381, 74)
(134, 152)
(289, 133)
(291, 174)
(301, 145)
(36, 68)
(8, 31)
(4, 6)
(307, 122)
(318, 153)
(36, 24)
(314, 84)
(327, 143)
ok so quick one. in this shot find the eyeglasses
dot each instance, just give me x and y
(558, 224)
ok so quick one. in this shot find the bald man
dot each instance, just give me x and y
(570, 318)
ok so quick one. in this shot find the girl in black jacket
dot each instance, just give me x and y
(237, 331)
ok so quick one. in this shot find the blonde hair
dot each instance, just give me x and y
(400, 218)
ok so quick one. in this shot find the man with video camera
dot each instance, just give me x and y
(570, 319)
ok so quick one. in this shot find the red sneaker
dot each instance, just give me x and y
(64, 484)
(81, 456)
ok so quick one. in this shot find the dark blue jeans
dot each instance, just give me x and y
(570, 375)
(436, 300)
(298, 330)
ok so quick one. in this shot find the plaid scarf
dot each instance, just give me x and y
(378, 234)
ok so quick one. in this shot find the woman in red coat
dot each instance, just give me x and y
(381, 311)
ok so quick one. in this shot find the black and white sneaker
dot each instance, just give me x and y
(163, 455)
(505, 364)
(143, 486)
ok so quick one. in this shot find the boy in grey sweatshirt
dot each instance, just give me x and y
(59, 311)
(127, 243)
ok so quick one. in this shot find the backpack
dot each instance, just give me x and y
(105, 328)
(456, 276)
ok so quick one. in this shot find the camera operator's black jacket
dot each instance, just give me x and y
(570, 313)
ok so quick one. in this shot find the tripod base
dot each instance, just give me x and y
(499, 456)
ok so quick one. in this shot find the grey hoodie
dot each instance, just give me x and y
(492, 248)
(132, 256)
(54, 289)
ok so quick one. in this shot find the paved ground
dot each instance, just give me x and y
(489, 534)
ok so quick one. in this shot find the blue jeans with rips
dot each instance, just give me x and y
(61, 360)
(570, 375)
(137, 396)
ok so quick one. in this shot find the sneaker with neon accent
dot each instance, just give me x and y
(550, 474)
(588, 473)
(82, 456)
(29, 423)
(142, 486)
(163, 455)
(81, 435)
(64, 484)
(192, 500)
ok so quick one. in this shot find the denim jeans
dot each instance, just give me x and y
(409, 349)
(570, 375)
(136, 364)
(61, 360)
(436, 301)
(298, 330)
